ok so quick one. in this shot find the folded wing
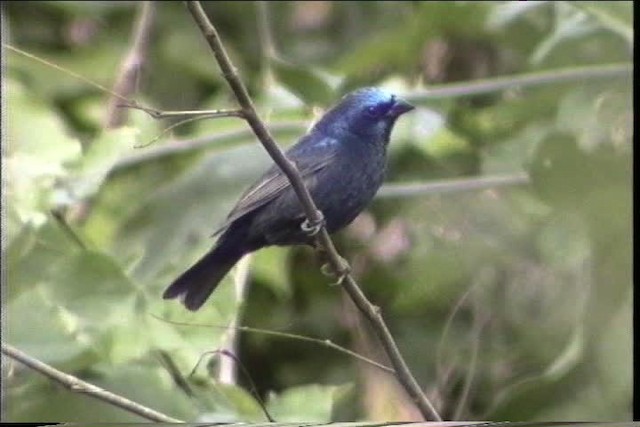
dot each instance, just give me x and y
(309, 157)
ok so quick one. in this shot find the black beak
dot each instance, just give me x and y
(400, 107)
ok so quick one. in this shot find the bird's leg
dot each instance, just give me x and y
(328, 269)
(311, 228)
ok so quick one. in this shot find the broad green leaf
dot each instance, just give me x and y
(505, 13)
(445, 143)
(90, 172)
(304, 82)
(235, 405)
(616, 17)
(569, 24)
(37, 152)
(170, 222)
(271, 266)
(53, 336)
(311, 403)
(31, 258)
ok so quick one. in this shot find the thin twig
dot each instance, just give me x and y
(195, 117)
(192, 115)
(267, 44)
(132, 63)
(313, 215)
(450, 186)
(193, 144)
(77, 385)
(254, 389)
(476, 335)
(227, 372)
(69, 231)
(206, 114)
(177, 377)
(440, 369)
(607, 20)
(323, 342)
(537, 78)
(65, 70)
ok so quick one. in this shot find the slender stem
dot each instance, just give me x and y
(77, 385)
(65, 70)
(323, 342)
(496, 84)
(607, 20)
(227, 372)
(160, 114)
(133, 62)
(194, 117)
(254, 390)
(479, 321)
(199, 143)
(69, 231)
(450, 186)
(371, 312)
(268, 46)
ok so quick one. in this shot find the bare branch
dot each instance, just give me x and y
(205, 114)
(77, 385)
(66, 71)
(314, 216)
(496, 84)
(450, 186)
(133, 62)
(199, 143)
(323, 342)
(227, 372)
(254, 389)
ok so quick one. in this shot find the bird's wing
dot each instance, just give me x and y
(309, 159)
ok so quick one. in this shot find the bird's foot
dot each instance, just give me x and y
(311, 228)
(339, 273)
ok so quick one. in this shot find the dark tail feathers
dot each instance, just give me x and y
(196, 284)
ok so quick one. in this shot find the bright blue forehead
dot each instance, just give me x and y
(370, 95)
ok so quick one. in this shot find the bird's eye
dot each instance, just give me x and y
(371, 111)
(377, 111)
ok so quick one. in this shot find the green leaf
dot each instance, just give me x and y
(235, 405)
(52, 335)
(505, 13)
(271, 267)
(310, 403)
(175, 223)
(569, 24)
(38, 152)
(92, 169)
(445, 143)
(93, 287)
(616, 17)
(44, 248)
(304, 82)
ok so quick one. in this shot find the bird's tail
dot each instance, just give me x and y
(196, 284)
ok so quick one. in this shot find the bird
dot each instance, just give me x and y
(342, 161)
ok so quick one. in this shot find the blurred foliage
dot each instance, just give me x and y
(507, 303)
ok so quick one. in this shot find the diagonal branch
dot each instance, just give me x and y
(314, 216)
(77, 385)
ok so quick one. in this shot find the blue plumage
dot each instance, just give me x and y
(342, 161)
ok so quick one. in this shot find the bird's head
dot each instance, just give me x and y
(368, 112)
